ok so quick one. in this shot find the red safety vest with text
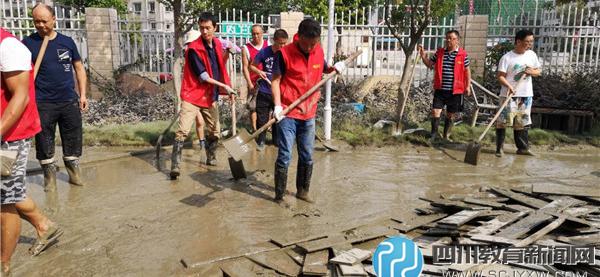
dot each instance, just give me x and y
(460, 75)
(301, 74)
(29, 123)
(253, 52)
(193, 89)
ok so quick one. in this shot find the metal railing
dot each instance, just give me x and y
(16, 18)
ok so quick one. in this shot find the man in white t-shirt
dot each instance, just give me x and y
(517, 114)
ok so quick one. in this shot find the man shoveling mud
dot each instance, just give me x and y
(451, 80)
(517, 113)
(297, 68)
(204, 74)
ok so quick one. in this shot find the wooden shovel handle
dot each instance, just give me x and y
(508, 97)
(233, 119)
(303, 97)
(40, 56)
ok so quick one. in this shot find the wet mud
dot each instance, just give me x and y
(132, 220)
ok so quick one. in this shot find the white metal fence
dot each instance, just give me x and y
(16, 18)
(566, 37)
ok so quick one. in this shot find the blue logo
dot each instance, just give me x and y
(398, 257)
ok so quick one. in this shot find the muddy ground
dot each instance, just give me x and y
(130, 220)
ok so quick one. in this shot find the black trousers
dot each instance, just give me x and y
(264, 107)
(68, 117)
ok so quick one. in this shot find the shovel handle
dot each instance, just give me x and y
(310, 92)
(40, 56)
(508, 97)
(233, 119)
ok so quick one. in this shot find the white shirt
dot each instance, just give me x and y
(513, 64)
(14, 56)
(260, 47)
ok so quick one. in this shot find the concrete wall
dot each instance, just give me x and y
(103, 41)
(473, 31)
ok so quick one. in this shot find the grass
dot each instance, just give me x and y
(146, 134)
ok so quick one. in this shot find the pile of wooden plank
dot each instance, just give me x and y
(534, 215)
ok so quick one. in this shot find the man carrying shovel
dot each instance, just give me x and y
(517, 113)
(297, 68)
(451, 80)
(204, 74)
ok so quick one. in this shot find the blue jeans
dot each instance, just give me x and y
(302, 132)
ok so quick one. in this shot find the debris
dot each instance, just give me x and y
(550, 188)
(315, 263)
(351, 257)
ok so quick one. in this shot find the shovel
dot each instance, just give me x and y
(237, 166)
(241, 144)
(473, 149)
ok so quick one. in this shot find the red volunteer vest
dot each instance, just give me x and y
(460, 80)
(29, 123)
(194, 90)
(253, 52)
(301, 74)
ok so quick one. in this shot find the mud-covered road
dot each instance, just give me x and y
(130, 220)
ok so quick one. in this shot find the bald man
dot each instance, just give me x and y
(57, 100)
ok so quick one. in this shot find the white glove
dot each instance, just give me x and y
(230, 90)
(278, 113)
(340, 67)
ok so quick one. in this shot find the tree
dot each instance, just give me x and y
(119, 5)
(413, 16)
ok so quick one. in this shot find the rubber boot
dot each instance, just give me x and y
(435, 124)
(211, 148)
(202, 143)
(49, 177)
(448, 124)
(280, 183)
(303, 176)
(522, 142)
(500, 135)
(74, 171)
(176, 159)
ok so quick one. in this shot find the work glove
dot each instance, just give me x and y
(278, 113)
(340, 67)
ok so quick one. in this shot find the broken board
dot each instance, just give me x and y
(550, 188)
(315, 263)
(495, 224)
(521, 198)
(410, 224)
(351, 257)
(277, 260)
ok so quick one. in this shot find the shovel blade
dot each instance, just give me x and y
(472, 154)
(236, 146)
(237, 169)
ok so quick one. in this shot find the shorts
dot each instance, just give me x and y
(516, 114)
(453, 102)
(13, 187)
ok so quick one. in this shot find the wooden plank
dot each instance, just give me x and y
(496, 223)
(278, 261)
(434, 269)
(494, 239)
(553, 188)
(452, 204)
(459, 218)
(240, 267)
(320, 244)
(489, 203)
(524, 225)
(315, 263)
(415, 222)
(295, 254)
(542, 232)
(287, 241)
(353, 270)
(593, 239)
(521, 198)
(370, 270)
(369, 232)
(351, 257)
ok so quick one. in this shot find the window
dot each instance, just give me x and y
(168, 27)
(151, 7)
(137, 8)
(153, 26)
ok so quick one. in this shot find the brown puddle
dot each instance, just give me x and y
(131, 220)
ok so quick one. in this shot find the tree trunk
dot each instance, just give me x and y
(403, 90)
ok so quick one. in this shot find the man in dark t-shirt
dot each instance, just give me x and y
(57, 100)
(264, 99)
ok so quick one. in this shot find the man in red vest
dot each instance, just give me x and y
(297, 68)
(249, 51)
(204, 75)
(451, 80)
(19, 123)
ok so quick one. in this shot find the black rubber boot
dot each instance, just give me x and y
(435, 124)
(211, 149)
(500, 135)
(280, 183)
(49, 177)
(176, 159)
(303, 176)
(74, 171)
(522, 142)
(448, 124)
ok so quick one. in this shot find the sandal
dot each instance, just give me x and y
(53, 233)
